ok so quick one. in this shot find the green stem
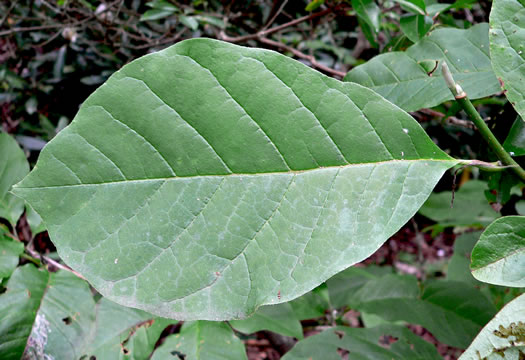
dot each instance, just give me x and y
(463, 100)
(30, 258)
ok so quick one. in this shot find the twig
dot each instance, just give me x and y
(263, 33)
(301, 55)
(46, 260)
(54, 26)
(270, 22)
(463, 100)
(451, 120)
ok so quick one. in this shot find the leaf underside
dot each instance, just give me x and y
(502, 337)
(499, 256)
(412, 79)
(205, 180)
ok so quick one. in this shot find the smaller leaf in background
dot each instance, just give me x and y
(34, 220)
(18, 307)
(189, 21)
(499, 256)
(459, 265)
(279, 318)
(314, 5)
(123, 331)
(501, 187)
(343, 286)
(368, 32)
(202, 340)
(212, 20)
(54, 315)
(436, 8)
(13, 163)
(368, 11)
(470, 206)
(13, 167)
(399, 77)
(453, 312)
(503, 336)
(11, 208)
(384, 342)
(415, 6)
(311, 305)
(31, 105)
(416, 26)
(10, 250)
(515, 141)
(159, 9)
(520, 207)
(31, 143)
(507, 49)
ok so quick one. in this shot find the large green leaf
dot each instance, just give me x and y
(13, 167)
(507, 44)
(403, 77)
(453, 312)
(202, 340)
(53, 315)
(499, 256)
(363, 344)
(209, 179)
(503, 337)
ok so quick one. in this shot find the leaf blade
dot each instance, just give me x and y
(499, 255)
(402, 78)
(235, 184)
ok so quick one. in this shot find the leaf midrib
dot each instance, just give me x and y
(295, 172)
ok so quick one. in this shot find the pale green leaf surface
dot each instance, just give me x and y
(453, 312)
(54, 315)
(363, 344)
(236, 178)
(499, 256)
(503, 337)
(10, 250)
(278, 318)
(401, 77)
(202, 340)
(507, 46)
